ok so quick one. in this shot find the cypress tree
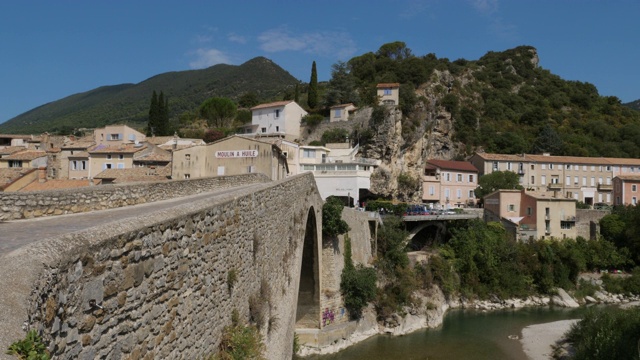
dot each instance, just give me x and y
(312, 100)
(296, 95)
(163, 116)
(152, 125)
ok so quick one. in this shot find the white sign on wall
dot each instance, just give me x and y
(236, 154)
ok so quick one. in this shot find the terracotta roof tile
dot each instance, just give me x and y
(8, 150)
(121, 149)
(26, 155)
(342, 106)
(8, 175)
(273, 104)
(137, 174)
(387, 85)
(453, 165)
(559, 159)
(629, 177)
(56, 185)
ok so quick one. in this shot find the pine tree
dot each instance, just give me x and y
(312, 101)
(152, 125)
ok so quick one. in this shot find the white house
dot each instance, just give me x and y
(388, 93)
(281, 118)
(341, 112)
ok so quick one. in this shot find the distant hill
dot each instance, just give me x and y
(129, 103)
(634, 105)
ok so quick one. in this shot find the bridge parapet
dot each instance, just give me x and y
(164, 284)
(25, 205)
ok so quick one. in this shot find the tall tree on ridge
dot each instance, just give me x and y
(154, 110)
(163, 116)
(312, 101)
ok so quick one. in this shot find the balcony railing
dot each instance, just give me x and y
(555, 186)
(605, 187)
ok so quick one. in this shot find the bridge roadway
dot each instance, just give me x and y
(466, 216)
(17, 233)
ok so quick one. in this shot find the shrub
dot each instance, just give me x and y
(312, 120)
(332, 223)
(29, 348)
(610, 333)
(240, 342)
(406, 182)
(357, 283)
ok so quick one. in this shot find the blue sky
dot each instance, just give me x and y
(53, 49)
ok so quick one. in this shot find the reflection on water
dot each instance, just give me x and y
(463, 335)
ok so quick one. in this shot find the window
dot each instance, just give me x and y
(471, 194)
(509, 166)
(529, 211)
(600, 180)
(74, 165)
(567, 166)
(593, 181)
(187, 156)
(15, 163)
(107, 166)
(447, 176)
(566, 225)
(568, 180)
(277, 128)
(187, 176)
(115, 136)
(634, 187)
(593, 168)
(584, 181)
(263, 130)
(108, 156)
(120, 165)
(337, 113)
(459, 178)
(309, 153)
(447, 193)
(576, 180)
(495, 166)
(307, 167)
(132, 137)
(533, 180)
(550, 166)
(543, 180)
(584, 167)
(634, 201)
(251, 169)
(470, 178)
(511, 208)
(459, 193)
(277, 113)
(220, 170)
(543, 166)
(387, 91)
(532, 166)
(120, 156)
(432, 190)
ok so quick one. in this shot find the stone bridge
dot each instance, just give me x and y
(428, 230)
(163, 281)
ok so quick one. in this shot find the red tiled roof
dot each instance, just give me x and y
(78, 145)
(26, 155)
(8, 175)
(121, 149)
(342, 106)
(452, 165)
(56, 185)
(136, 174)
(8, 150)
(629, 177)
(559, 159)
(387, 85)
(273, 104)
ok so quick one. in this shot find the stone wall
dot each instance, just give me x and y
(588, 222)
(164, 285)
(25, 205)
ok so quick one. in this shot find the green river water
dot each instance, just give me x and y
(463, 335)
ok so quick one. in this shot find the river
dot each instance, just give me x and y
(463, 335)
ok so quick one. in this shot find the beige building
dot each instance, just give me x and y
(281, 119)
(28, 159)
(233, 155)
(114, 135)
(388, 93)
(586, 179)
(626, 189)
(448, 184)
(532, 215)
(338, 171)
(341, 112)
(103, 157)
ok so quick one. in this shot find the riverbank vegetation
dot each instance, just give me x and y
(610, 333)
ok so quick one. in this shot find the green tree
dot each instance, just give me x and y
(548, 140)
(163, 127)
(332, 223)
(312, 99)
(341, 88)
(497, 180)
(154, 114)
(248, 100)
(219, 112)
(357, 283)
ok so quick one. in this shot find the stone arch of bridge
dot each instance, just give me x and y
(308, 306)
(425, 235)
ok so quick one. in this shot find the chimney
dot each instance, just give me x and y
(42, 174)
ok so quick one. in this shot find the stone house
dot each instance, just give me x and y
(532, 215)
(29, 159)
(114, 135)
(388, 93)
(448, 184)
(341, 112)
(625, 189)
(103, 157)
(280, 119)
(233, 155)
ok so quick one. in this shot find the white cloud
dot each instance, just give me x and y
(319, 43)
(237, 38)
(204, 58)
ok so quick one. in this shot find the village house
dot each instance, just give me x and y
(341, 112)
(277, 119)
(114, 135)
(388, 93)
(338, 171)
(625, 189)
(448, 184)
(532, 215)
(103, 157)
(586, 179)
(233, 155)
(29, 159)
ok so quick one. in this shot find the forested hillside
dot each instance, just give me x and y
(129, 103)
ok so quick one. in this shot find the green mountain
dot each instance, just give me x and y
(129, 103)
(634, 104)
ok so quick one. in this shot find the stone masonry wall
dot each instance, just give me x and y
(584, 219)
(164, 285)
(25, 205)
(331, 300)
